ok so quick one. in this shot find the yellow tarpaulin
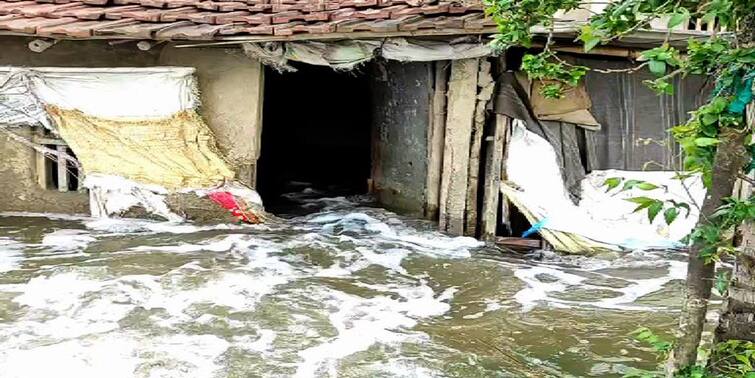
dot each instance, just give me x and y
(176, 152)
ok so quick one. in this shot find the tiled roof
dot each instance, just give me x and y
(212, 19)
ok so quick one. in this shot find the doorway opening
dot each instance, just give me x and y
(316, 134)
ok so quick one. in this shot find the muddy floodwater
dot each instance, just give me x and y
(346, 291)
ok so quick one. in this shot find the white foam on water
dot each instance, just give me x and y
(476, 315)
(111, 357)
(11, 254)
(492, 305)
(263, 343)
(125, 355)
(80, 317)
(430, 243)
(363, 322)
(118, 226)
(66, 240)
(540, 290)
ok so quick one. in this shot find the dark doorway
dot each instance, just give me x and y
(316, 133)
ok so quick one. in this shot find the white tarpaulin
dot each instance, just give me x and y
(347, 54)
(419, 50)
(601, 220)
(153, 92)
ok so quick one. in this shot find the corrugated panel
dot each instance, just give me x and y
(635, 120)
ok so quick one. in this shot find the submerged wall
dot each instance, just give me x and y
(402, 94)
(231, 92)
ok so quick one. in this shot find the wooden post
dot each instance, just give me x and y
(485, 92)
(40, 161)
(62, 165)
(435, 136)
(462, 91)
(505, 208)
(492, 184)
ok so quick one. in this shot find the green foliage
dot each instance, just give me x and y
(653, 206)
(515, 18)
(699, 136)
(722, 283)
(734, 358)
(715, 235)
(730, 359)
(647, 336)
(660, 58)
(545, 67)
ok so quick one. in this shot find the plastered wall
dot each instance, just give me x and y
(401, 115)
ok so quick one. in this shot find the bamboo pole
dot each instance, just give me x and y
(493, 169)
(436, 134)
(485, 92)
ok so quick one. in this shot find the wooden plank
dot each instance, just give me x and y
(435, 137)
(40, 160)
(485, 92)
(492, 177)
(41, 139)
(462, 90)
(591, 150)
(505, 206)
(62, 166)
(518, 243)
(233, 40)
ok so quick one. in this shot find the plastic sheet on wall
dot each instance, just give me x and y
(601, 221)
(347, 54)
(173, 152)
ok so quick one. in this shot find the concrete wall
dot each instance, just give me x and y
(231, 87)
(402, 94)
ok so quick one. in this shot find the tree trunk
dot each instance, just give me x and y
(738, 319)
(729, 160)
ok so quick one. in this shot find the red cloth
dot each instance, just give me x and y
(228, 201)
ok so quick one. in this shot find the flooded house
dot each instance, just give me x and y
(402, 99)
(122, 119)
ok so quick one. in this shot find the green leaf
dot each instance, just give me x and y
(591, 43)
(682, 205)
(705, 142)
(630, 184)
(678, 18)
(709, 118)
(670, 215)
(611, 183)
(654, 209)
(639, 184)
(641, 200)
(646, 186)
(722, 283)
(657, 67)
